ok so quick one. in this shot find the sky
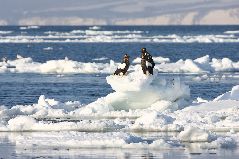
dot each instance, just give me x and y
(118, 12)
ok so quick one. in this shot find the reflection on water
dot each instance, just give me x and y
(10, 149)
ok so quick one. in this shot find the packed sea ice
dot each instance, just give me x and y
(200, 65)
(99, 35)
(140, 103)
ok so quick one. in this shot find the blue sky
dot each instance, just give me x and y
(115, 12)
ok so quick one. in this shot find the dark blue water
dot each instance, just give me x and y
(86, 51)
(26, 88)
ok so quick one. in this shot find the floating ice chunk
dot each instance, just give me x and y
(95, 28)
(200, 100)
(228, 100)
(99, 107)
(192, 134)
(42, 101)
(200, 65)
(100, 59)
(68, 66)
(48, 48)
(19, 56)
(21, 123)
(213, 105)
(59, 66)
(232, 32)
(155, 121)
(204, 63)
(28, 123)
(203, 60)
(29, 27)
(137, 90)
(231, 95)
(75, 32)
(191, 66)
(75, 139)
(5, 32)
(224, 64)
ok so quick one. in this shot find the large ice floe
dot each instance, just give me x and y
(139, 103)
(62, 66)
(137, 91)
(200, 65)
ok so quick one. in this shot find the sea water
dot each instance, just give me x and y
(80, 43)
(93, 50)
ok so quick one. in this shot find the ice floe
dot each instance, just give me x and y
(29, 27)
(232, 32)
(5, 32)
(48, 48)
(202, 65)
